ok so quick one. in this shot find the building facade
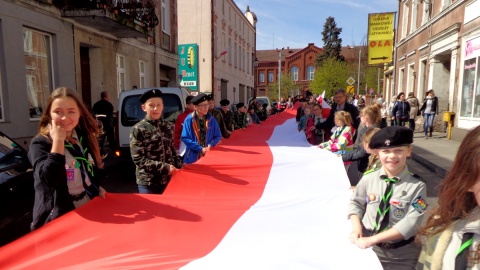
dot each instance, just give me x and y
(299, 64)
(438, 47)
(88, 46)
(226, 40)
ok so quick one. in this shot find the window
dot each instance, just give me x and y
(120, 73)
(294, 74)
(261, 77)
(310, 73)
(404, 19)
(38, 65)
(1, 98)
(446, 3)
(166, 16)
(131, 112)
(141, 68)
(426, 12)
(235, 55)
(400, 78)
(410, 79)
(470, 89)
(413, 22)
(270, 76)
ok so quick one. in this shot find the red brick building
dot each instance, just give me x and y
(298, 63)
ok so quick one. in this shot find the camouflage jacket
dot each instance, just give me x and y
(151, 146)
(240, 120)
(221, 123)
(228, 119)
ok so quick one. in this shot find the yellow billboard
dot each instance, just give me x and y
(380, 37)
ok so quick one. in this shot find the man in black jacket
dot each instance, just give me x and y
(341, 104)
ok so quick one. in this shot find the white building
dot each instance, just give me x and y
(226, 39)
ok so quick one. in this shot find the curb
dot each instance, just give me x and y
(441, 172)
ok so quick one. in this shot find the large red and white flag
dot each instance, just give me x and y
(263, 199)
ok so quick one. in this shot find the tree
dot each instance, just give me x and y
(332, 43)
(286, 86)
(330, 76)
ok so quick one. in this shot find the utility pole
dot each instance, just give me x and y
(279, 73)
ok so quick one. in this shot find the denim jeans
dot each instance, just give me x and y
(142, 189)
(428, 121)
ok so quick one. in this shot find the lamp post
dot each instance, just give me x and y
(358, 75)
(279, 73)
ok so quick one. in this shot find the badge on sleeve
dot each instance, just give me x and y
(70, 174)
(419, 204)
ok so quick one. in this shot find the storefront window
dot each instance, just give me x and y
(36, 46)
(468, 90)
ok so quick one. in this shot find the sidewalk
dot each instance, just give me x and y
(436, 153)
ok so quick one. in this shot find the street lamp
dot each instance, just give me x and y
(279, 73)
(358, 75)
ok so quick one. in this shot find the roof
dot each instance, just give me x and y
(350, 53)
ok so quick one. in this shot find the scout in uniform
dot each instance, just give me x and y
(151, 146)
(227, 115)
(218, 116)
(240, 116)
(388, 204)
(200, 131)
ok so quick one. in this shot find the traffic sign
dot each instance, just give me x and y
(351, 89)
(350, 81)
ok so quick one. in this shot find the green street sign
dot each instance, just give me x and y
(188, 66)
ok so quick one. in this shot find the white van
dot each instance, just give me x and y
(130, 112)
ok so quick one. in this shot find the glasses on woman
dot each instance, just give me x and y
(203, 106)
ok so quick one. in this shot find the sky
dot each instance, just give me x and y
(295, 23)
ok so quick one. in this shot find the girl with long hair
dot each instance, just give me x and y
(451, 235)
(65, 157)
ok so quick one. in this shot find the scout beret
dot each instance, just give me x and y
(390, 137)
(240, 105)
(150, 94)
(224, 102)
(199, 98)
(210, 97)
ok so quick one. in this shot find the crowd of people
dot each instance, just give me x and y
(388, 202)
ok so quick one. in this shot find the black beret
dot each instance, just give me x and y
(239, 105)
(199, 99)
(389, 137)
(224, 102)
(150, 94)
(303, 100)
(210, 97)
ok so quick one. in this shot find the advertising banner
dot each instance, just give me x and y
(188, 66)
(380, 37)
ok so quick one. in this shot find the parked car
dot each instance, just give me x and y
(130, 112)
(16, 190)
(263, 100)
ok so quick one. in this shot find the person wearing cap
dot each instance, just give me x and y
(227, 115)
(388, 204)
(240, 117)
(180, 120)
(151, 146)
(218, 116)
(200, 131)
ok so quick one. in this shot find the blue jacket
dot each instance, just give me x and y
(193, 149)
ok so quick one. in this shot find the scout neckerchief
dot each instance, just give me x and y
(338, 132)
(200, 128)
(461, 261)
(82, 162)
(384, 207)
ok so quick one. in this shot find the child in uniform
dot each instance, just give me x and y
(388, 204)
(151, 146)
(373, 160)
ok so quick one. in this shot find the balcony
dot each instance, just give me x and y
(121, 18)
